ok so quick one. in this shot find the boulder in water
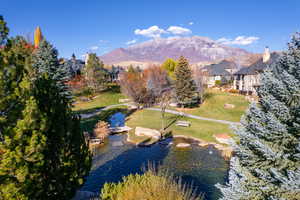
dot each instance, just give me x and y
(183, 145)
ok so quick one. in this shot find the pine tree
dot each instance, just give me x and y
(3, 31)
(267, 161)
(14, 64)
(45, 60)
(185, 87)
(95, 73)
(43, 154)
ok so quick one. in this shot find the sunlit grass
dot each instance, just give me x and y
(102, 99)
(213, 106)
(199, 129)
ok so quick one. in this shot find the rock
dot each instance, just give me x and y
(124, 100)
(84, 99)
(203, 144)
(173, 104)
(223, 138)
(229, 106)
(183, 145)
(140, 131)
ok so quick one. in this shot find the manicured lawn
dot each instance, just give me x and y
(101, 100)
(199, 129)
(213, 106)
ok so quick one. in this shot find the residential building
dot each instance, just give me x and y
(247, 79)
(222, 71)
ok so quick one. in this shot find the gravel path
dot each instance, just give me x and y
(88, 115)
(195, 116)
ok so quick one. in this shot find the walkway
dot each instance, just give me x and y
(91, 114)
(88, 115)
(195, 116)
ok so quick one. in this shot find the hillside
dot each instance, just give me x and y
(196, 49)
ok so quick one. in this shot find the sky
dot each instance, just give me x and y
(100, 26)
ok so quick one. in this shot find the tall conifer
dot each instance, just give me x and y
(43, 154)
(185, 87)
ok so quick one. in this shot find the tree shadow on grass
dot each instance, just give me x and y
(208, 95)
(172, 120)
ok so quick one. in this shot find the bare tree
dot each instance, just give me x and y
(147, 88)
(200, 78)
(159, 88)
(133, 85)
(101, 130)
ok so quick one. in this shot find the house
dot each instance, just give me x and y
(247, 79)
(222, 71)
(114, 72)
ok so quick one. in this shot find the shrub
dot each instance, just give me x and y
(233, 91)
(218, 82)
(101, 129)
(151, 185)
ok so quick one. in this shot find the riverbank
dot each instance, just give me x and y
(201, 166)
(226, 150)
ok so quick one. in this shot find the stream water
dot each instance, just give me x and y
(202, 167)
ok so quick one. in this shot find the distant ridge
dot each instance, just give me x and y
(196, 49)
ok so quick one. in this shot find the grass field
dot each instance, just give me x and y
(102, 99)
(213, 106)
(199, 129)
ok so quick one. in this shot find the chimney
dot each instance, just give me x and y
(266, 55)
(87, 55)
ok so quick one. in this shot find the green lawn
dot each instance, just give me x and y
(103, 99)
(199, 129)
(213, 106)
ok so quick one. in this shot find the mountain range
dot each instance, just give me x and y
(198, 50)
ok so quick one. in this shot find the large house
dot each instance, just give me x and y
(247, 79)
(222, 71)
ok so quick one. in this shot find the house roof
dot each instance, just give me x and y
(258, 66)
(219, 69)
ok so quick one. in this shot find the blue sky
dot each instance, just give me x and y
(103, 25)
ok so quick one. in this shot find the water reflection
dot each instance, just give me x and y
(194, 164)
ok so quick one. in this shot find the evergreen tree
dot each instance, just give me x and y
(3, 31)
(267, 161)
(14, 63)
(185, 87)
(43, 154)
(95, 73)
(45, 60)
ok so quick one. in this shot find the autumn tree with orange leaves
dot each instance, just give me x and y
(149, 87)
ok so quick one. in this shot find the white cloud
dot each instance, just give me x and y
(103, 41)
(153, 31)
(131, 42)
(177, 30)
(94, 48)
(191, 23)
(240, 40)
